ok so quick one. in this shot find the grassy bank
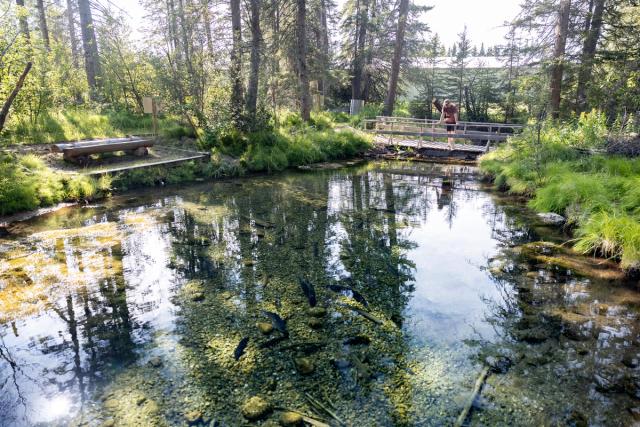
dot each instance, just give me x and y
(27, 183)
(599, 194)
(288, 143)
(76, 124)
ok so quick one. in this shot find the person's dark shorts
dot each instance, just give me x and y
(451, 128)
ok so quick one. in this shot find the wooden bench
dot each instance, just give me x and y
(79, 152)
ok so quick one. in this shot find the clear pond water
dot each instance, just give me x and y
(131, 312)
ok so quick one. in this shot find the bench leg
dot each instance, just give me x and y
(140, 151)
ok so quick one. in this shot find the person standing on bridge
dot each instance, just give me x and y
(450, 117)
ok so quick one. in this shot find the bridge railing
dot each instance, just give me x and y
(414, 127)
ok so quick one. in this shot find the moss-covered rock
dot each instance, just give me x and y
(255, 408)
(290, 419)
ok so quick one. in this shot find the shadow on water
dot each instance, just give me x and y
(394, 283)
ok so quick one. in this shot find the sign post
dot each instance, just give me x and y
(150, 106)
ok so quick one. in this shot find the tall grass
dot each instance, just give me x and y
(289, 143)
(26, 183)
(78, 124)
(598, 194)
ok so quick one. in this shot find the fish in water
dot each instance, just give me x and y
(309, 291)
(239, 351)
(278, 322)
(354, 294)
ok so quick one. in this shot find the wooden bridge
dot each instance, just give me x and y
(421, 135)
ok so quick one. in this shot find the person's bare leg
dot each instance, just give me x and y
(450, 140)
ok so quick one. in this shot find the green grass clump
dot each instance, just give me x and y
(289, 144)
(77, 124)
(598, 194)
(612, 235)
(26, 183)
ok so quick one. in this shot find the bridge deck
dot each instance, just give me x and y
(433, 145)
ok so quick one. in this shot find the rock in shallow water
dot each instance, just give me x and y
(289, 419)
(551, 218)
(317, 311)
(314, 323)
(304, 365)
(193, 417)
(255, 408)
(264, 327)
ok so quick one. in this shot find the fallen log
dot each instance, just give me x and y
(476, 390)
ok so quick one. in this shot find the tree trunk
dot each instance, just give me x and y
(71, 26)
(44, 30)
(324, 48)
(397, 58)
(236, 63)
(301, 57)
(24, 25)
(207, 27)
(256, 37)
(7, 104)
(173, 31)
(275, 51)
(588, 53)
(361, 38)
(366, 90)
(557, 67)
(90, 46)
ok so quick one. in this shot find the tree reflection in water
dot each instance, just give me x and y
(157, 292)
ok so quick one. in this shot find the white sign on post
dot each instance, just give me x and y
(147, 104)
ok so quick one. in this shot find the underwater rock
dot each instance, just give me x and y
(108, 423)
(290, 419)
(264, 327)
(357, 340)
(197, 296)
(551, 218)
(255, 408)
(314, 323)
(193, 417)
(499, 364)
(577, 419)
(341, 363)
(551, 254)
(271, 384)
(140, 400)
(248, 262)
(318, 311)
(630, 361)
(304, 365)
(156, 362)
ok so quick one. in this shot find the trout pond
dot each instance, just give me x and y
(377, 294)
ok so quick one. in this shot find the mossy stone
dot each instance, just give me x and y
(193, 417)
(290, 419)
(317, 311)
(314, 323)
(304, 365)
(264, 327)
(255, 408)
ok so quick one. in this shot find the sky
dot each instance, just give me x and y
(483, 18)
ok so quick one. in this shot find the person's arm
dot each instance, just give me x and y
(455, 116)
(442, 116)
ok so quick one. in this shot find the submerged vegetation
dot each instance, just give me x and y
(564, 169)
